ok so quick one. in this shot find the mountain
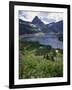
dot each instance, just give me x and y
(37, 21)
(56, 27)
(40, 24)
(27, 27)
(37, 25)
(60, 26)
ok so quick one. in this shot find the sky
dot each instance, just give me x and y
(46, 17)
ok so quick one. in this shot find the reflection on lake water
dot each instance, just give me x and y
(45, 40)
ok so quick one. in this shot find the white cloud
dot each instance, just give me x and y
(46, 17)
(56, 16)
(28, 16)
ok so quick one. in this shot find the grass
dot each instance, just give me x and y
(33, 64)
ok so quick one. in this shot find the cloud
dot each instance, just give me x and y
(56, 16)
(46, 17)
(27, 15)
(48, 20)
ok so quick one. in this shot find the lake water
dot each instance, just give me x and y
(45, 40)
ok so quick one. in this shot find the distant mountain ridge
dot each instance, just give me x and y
(37, 25)
(27, 27)
(55, 27)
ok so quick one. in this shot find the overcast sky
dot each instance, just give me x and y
(46, 17)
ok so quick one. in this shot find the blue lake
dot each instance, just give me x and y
(45, 40)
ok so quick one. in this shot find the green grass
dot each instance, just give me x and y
(32, 63)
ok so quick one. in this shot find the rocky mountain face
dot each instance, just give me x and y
(38, 26)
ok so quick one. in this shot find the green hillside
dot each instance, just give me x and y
(39, 61)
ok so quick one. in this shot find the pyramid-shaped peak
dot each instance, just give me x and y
(36, 17)
(36, 20)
